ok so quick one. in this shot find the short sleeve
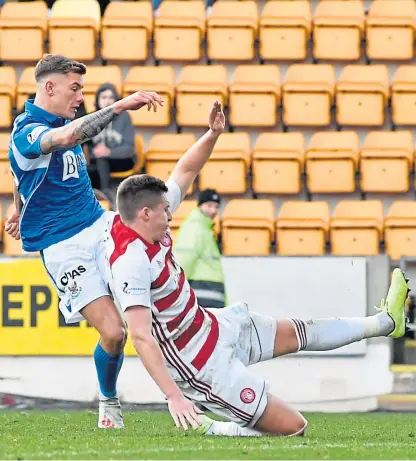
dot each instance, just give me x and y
(174, 195)
(131, 282)
(27, 139)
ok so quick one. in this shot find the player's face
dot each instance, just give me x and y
(105, 99)
(159, 219)
(210, 209)
(66, 95)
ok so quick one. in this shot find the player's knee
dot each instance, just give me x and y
(296, 427)
(116, 336)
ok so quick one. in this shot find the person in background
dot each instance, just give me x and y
(112, 150)
(198, 253)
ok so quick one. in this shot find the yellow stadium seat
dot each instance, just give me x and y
(302, 228)
(6, 177)
(357, 228)
(164, 151)
(23, 28)
(255, 95)
(97, 76)
(231, 31)
(308, 94)
(391, 30)
(197, 89)
(179, 30)
(338, 30)
(227, 168)
(248, 227)
(386, 161)
(7, 95)
(126, 30)
(139, 151)
(73, 30)
(400, 229)
(285, 28)
(332, 161)
(403, 96)
(362, 95)
(4, 145)
(160, 79)
(278, 160)
(25, 87)
(180, 215)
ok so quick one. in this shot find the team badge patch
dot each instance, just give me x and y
(74, 289)
(247, 395)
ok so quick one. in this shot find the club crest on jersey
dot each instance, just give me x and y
(74, 289)
(247, 395)
(72, 164)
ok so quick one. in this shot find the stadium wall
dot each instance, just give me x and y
(40, 357)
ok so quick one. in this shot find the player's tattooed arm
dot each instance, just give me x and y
(85, 128)
(78, 131)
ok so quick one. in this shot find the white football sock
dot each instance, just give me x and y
(331, 333)
(232, 430)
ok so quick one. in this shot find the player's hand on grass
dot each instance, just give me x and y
(183, 411)
(217, 119)
(12, 225)
(140, 99)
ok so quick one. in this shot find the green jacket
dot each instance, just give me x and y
(197, 251)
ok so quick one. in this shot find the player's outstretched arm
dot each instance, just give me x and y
(182, 410)
(192, 162)
(85, 128)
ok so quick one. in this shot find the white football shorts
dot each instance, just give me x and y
(224, 385)
(78, 268)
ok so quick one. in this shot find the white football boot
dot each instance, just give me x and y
(109, 414)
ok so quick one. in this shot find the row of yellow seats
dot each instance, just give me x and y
(277, 162)
(361, 94)
(249, 227)
(356, 228)
(283, 29)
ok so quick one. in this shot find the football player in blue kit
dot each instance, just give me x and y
(58, 215)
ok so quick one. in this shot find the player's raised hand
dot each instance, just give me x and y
(183, 411)
(217, 118)
(12, 225)
(140, 99)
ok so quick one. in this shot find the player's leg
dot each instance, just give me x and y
(73, 268)
(293, 335)
(104, 316)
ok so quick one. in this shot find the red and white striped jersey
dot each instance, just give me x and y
(146, 274)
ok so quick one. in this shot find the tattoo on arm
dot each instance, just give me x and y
(78, 131)
(92, 124)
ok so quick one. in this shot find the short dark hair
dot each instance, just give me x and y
(136, 192)
(58, 64)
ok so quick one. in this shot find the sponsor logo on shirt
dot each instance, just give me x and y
(129, 290)
(34, 134)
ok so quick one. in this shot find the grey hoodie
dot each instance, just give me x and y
(118, 136)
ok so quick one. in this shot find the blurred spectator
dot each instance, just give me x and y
(112, 150)
(198, 253)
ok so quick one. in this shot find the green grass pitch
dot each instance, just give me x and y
(151, 435)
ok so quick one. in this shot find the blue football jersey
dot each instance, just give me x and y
(58, 200)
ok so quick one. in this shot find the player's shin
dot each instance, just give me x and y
(108, 368)
(331, 333)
